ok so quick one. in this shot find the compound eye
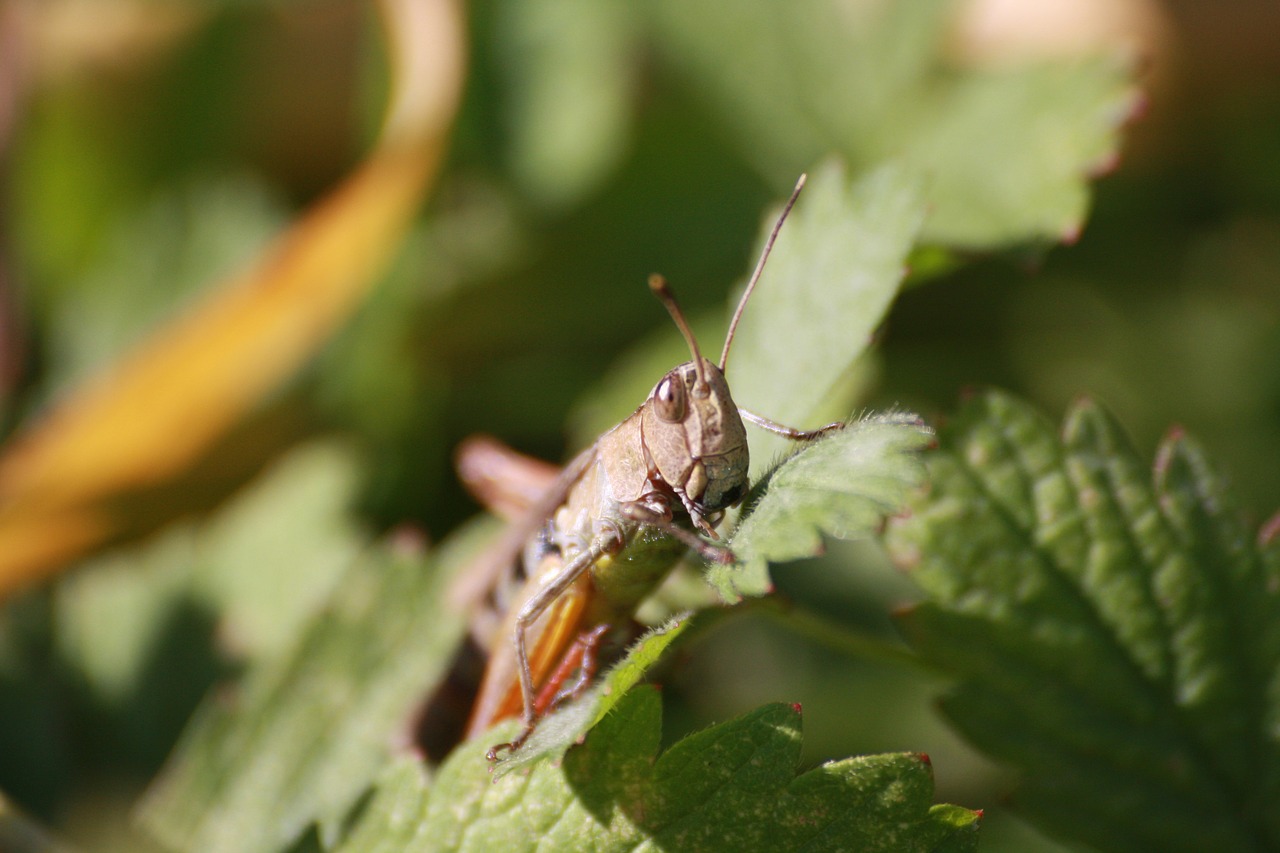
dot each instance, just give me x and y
(668, 399)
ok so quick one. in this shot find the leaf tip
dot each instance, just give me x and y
(907, 513)
(1269, 531)
(1136, 107)
(1104, 165)
(924, 759)
(795, 706)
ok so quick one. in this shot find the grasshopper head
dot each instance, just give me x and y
(692, 431)
(695, 437)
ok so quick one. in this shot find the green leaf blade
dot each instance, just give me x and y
(732, 786)
(834, 271)
(1011, 151)
(843, 485)
(1228, 653)
(308, 731)
(558, 730)
(1114, 637)
(390, 822)
(1008, 152)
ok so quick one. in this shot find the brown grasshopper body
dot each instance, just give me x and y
(585, 552)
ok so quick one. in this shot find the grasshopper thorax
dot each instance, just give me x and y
(695, 438)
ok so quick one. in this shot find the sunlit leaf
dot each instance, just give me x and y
(1010, 154)
(843, 485)
(731, 787)
(110, 618)
(304, 734)
(1007, 153)
(831, 278)
(559, 730)
(1115, 637)
(392, 820)
(143, 631)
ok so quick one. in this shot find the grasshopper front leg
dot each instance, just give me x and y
(786, 431)
(657, 513)
(608, 541)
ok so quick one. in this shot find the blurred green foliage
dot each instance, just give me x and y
(600, 141)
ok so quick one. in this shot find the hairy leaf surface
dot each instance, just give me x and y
(731, 787)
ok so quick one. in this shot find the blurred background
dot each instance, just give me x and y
(149, 150)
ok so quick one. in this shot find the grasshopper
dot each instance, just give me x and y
(587, 545)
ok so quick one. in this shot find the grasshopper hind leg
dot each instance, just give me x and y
(581, 658)
(607, 542)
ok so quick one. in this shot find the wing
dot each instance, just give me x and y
(507, 483)
(502, 560)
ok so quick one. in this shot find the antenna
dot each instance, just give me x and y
(755, 276)
(658, 285)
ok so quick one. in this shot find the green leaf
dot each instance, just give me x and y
(293, 518)
(1008, 152)
(730, 787)
(557, 731)
(135, 629)
(569, 67)
(834, 271)
(391, 820)
(843, 485)
(1118, 638)
(305, 734)
(801, 79)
